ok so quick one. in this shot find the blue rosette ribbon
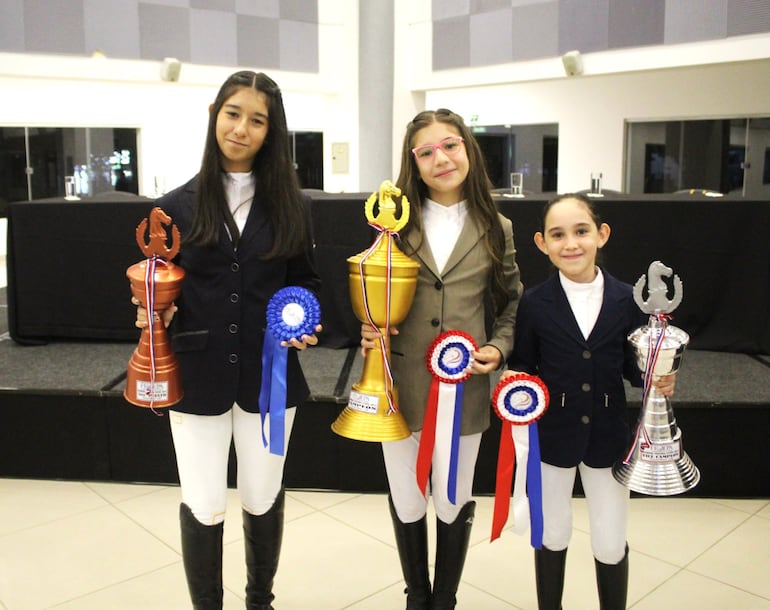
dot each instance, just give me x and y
(519, 400)
(291, 312)
(449, 359)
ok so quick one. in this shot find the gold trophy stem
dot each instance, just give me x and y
(374, 366)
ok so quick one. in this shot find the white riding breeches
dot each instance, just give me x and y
(202, 446)
(607, 510)
(401, 468)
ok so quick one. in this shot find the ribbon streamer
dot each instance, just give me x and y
(655, 344)
(519, 400)
(149, 291)
(383, 233)
(291, 312)
(449, 359)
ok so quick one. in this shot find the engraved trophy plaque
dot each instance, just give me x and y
(656, 463)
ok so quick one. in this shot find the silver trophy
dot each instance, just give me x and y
(655, 463)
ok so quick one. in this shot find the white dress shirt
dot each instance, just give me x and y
(443, 225)
(239, 190)
(585, 300)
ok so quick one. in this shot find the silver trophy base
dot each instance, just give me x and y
(661, 479)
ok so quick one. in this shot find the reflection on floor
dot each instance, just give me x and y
(91, 546)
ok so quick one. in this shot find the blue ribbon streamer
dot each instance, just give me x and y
(535, 488)
(272, 393)
(455, 450)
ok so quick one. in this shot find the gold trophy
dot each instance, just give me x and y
(382, 282)
(152, 379)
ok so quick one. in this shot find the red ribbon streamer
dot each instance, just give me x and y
(506, 459)
(427, 437)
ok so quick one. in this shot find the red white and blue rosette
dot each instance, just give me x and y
(291, 312)
(449, 359)
(519, 400)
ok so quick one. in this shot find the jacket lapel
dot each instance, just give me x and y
(559, 310)
(466, 241)
(613, 306)
(424, 254)
(469, 237)
(256, 222)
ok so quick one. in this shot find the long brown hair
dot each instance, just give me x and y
(276, 179)
(476, 191)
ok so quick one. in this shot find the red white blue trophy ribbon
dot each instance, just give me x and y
(292, 312)
(519, 400)
(449, 359)
(149, 288)
(656, 338)
(386, 234)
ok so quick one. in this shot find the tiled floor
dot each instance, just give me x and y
(107, 546)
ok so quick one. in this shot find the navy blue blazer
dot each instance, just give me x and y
(218, 331)
(587, 419)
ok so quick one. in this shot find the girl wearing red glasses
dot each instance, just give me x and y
(466, 252)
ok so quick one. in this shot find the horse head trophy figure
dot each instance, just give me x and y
(152, 379)
(655, 463)
(382, 282)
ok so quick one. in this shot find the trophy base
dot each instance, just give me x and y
(366, 418)
(140, 391)
(658, 479)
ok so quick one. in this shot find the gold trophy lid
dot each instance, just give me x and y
(386, 214)
(385, 253)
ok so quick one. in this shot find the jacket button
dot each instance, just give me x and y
(233, 328)
(234, 297)
(439, 285)
(233, 358)
(435, 322)
(586, 355)
(235, 267)
(586, 387)
(585, 419)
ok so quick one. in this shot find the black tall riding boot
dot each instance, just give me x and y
(451, 548)
(202, 558)
(262, 535)
(612, 583)
(549, 577)
(412, 543)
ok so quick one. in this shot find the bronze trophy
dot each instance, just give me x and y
(152, 379)
(655, 463)
(382, 283)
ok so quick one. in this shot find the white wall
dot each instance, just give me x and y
(60, 91)
(707, 80)
(65, 91)
(591, 110)
(716, 79)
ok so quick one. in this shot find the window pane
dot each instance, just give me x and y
(720, 156)
(531, 150)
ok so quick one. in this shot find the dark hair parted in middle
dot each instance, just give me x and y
(276, 179)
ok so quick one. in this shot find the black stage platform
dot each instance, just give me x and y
(66, 333)
(62, 416)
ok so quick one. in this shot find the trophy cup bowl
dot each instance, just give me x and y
(152, 377)
(384, 285)
(656, 464)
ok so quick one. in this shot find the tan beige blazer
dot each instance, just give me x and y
(453, 300)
